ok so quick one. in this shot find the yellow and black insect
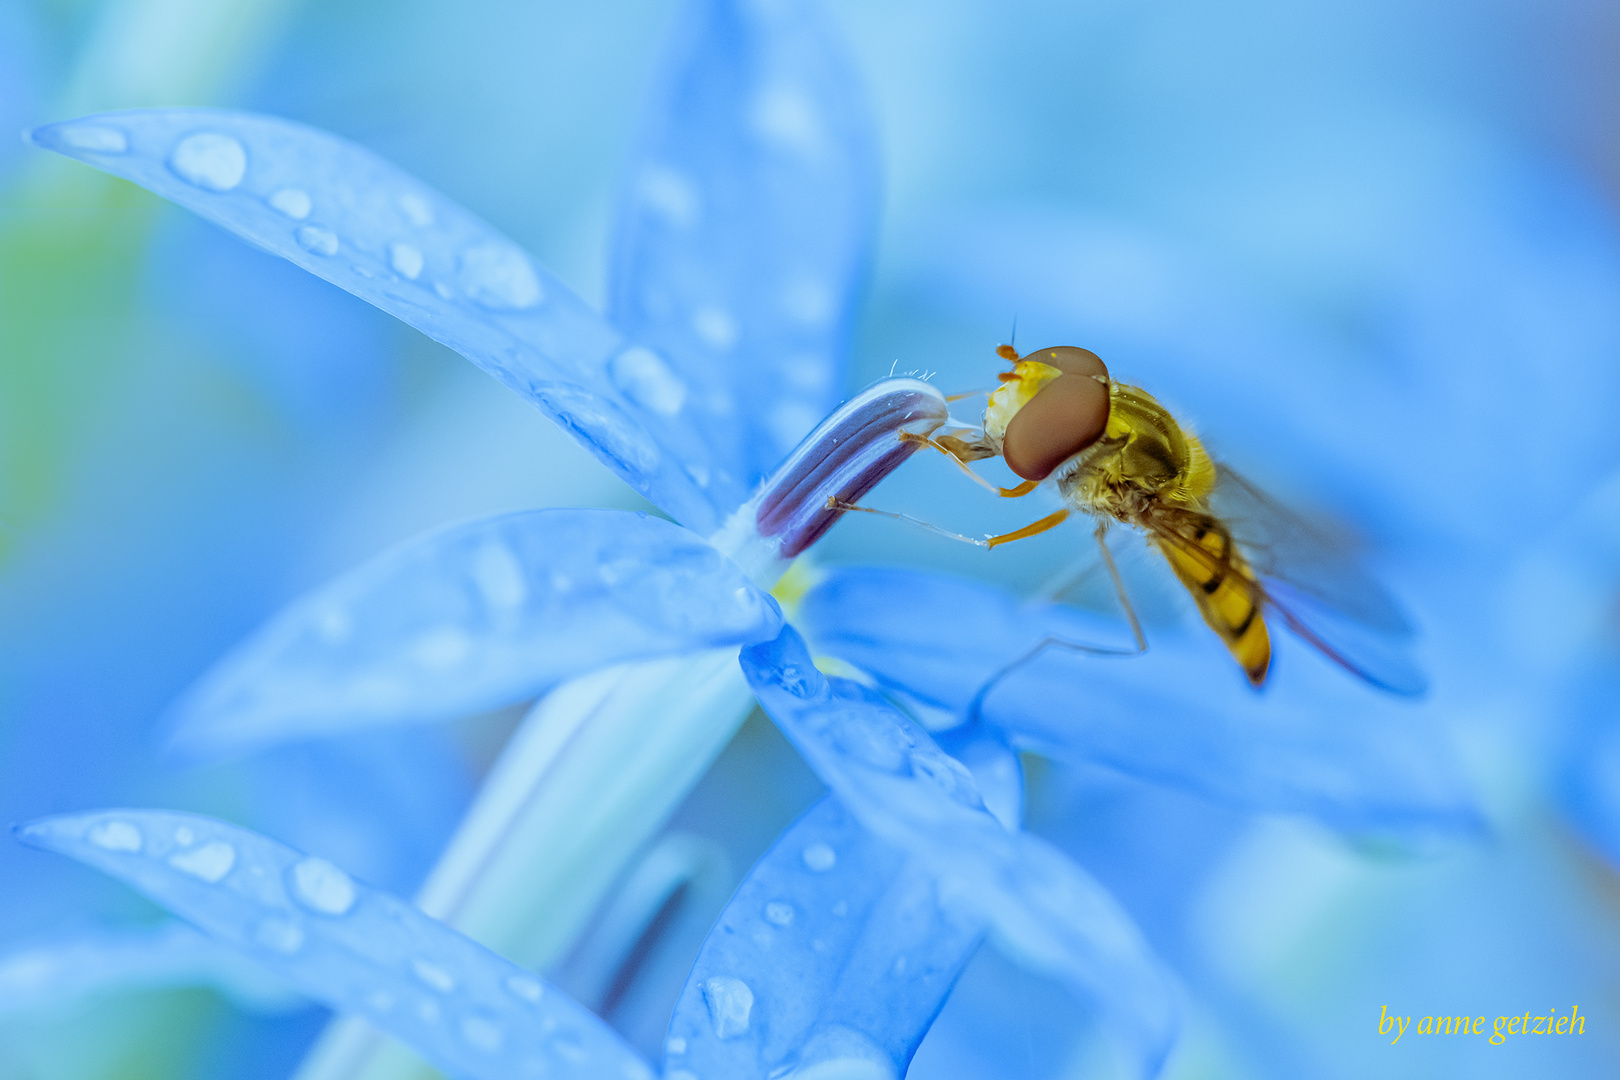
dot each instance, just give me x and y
(1113, 452)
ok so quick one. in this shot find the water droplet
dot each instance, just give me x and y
(444, 291)
(779, 912)
(406, 259)
(316, 240)
(442, 648)
(699, 474)
(820, 857)
(807, 301)
(841, 908)
(791, 421)
(647, 380)
(568, 1046)
(715, 326)
(115, 836)
(322, 887)
(845, 1069)
(730, 1001)
(499, 277)
(280, 935)
(184, 836)
(417, 210)
(499, 578)
(96, 138)
(675, 1045)
(433, 975)
(526, 987)
(787, 117)
(429, 1011)
(294, 202)
(482, 1033)
(211, 862)
(210, 161)
(794, 681)
(669, 195)
(899, 965)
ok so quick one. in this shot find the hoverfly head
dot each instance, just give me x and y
(1052, 405)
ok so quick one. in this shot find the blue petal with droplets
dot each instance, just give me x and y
(474, 616)
(346, 215)
(835, 948)
(746, 222)
(1315, 741)
(901, 787)
(464, 1009)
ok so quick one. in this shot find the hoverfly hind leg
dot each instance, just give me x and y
(976, 706)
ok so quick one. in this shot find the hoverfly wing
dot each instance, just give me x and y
(1315, 585)
(1379, 658)
(1321, 570)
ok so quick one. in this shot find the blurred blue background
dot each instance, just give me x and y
(1369, 250)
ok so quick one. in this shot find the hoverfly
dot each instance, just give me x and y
(1114, 453)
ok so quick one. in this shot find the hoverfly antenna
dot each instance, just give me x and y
(1009, 351)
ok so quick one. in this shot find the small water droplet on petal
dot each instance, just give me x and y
(280, 935)
(482, 1033)
(498, 576)
(568, 1046)
(434, 975)
(675, 1045)
(779, 912)
(526, 987)
(317, 241)
(669, 195)
(647, 380)
(417, 210)
(820, 857)
(97, 138)
(184, 836)
(209, 160)
(211, 862)
(115, 836)
(499, 277)
(294, 202)
(406, 259)
(715, 326)
(322, 887)
(730, 1003)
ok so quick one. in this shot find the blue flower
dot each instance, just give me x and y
(744, 228)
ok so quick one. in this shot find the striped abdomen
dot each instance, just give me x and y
(1207, 563)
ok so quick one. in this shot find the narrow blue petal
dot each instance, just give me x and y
(747, 219)
(1315, 741)
(898, 784)
(348, 216)
(835, 948)
(171, 955)
(472, 617)
(364, 952)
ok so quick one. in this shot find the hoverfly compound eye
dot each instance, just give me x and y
(1066, 415)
